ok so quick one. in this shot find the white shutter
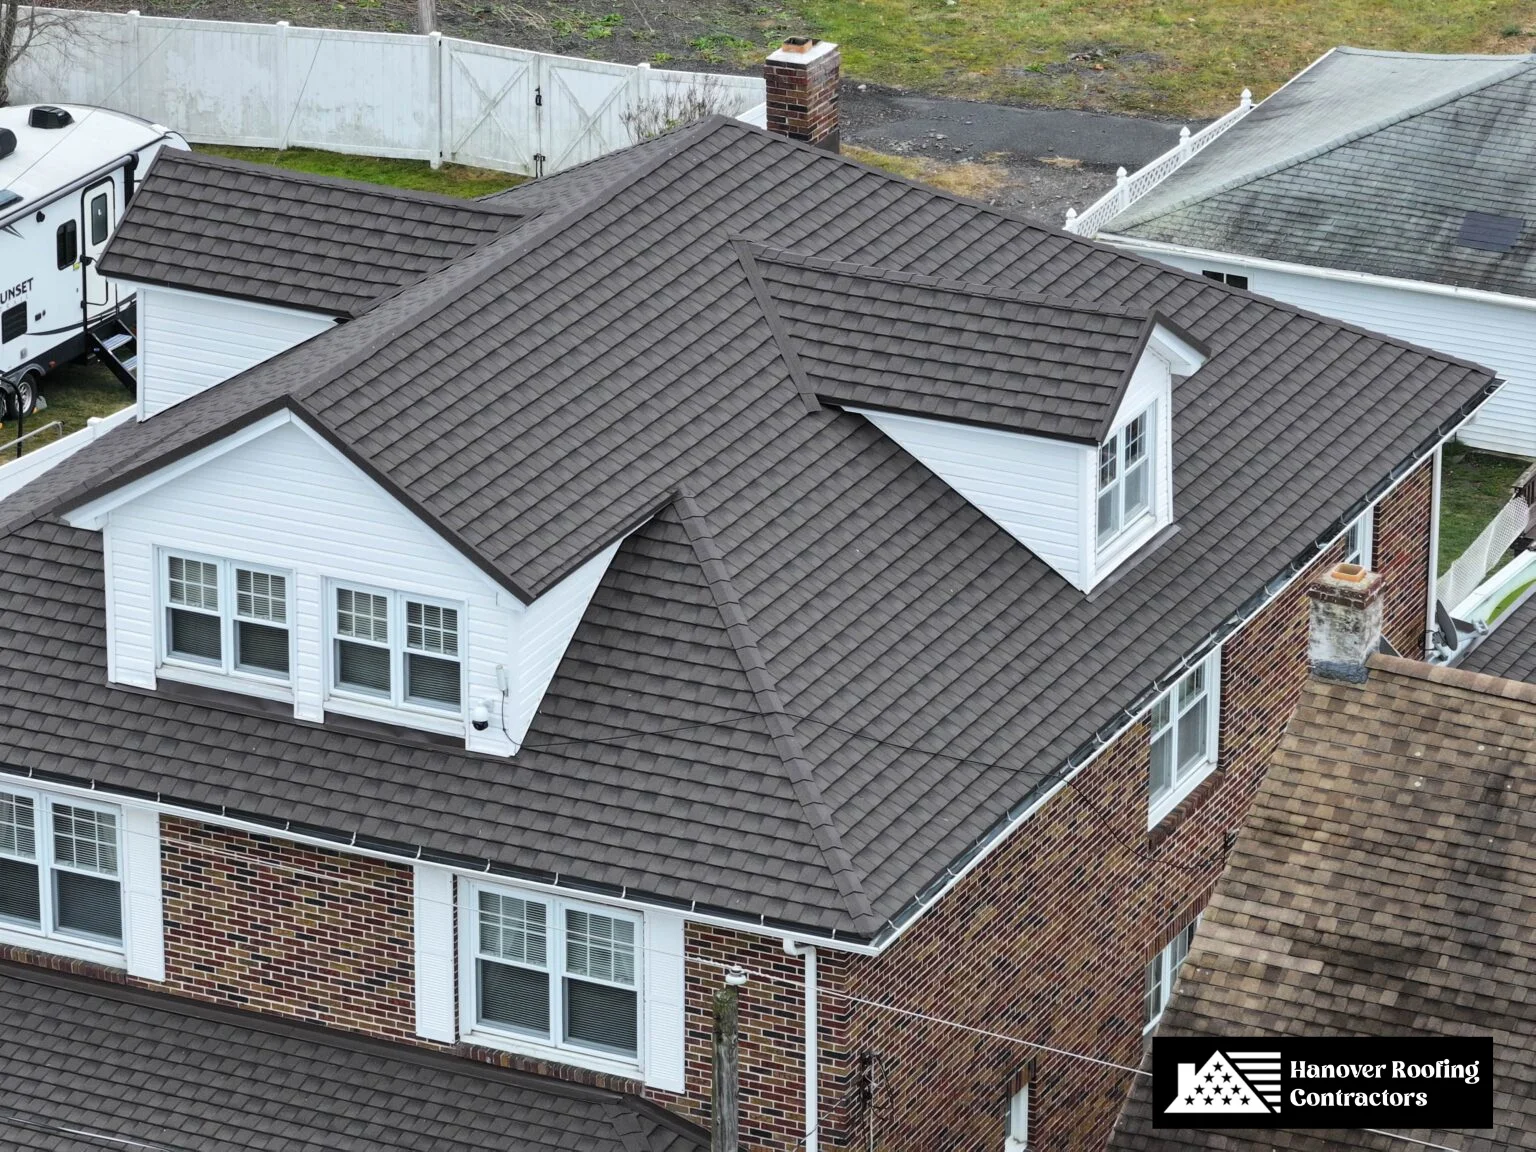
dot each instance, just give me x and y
(433, 923)
(144, 939)
(665, 1001)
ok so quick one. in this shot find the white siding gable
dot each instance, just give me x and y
(1499, 336)
(190, 341)
(1032, 487)
(278, 497)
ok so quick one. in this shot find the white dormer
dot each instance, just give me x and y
(270, 565)
(1085, 509)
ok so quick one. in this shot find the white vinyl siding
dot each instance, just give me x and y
(1499, 336)
(1032, 487)
(283, 502)
(1185, 728)
(189, 341)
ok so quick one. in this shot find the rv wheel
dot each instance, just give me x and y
(24, 400)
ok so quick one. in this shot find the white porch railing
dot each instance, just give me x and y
(1129, 189)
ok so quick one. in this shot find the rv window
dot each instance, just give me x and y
(68, 242)
(99, 219)
(13, 322)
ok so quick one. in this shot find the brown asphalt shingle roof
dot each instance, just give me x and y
(1384, 884)
(560, 385)
(208, 224)
(137, 1069)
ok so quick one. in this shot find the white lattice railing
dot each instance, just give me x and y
(1129, 189)
(1474, 564)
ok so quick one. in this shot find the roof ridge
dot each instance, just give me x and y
(790, 258)
(781, 729)
(171, 156)
(1482, 683)
(1129, 219)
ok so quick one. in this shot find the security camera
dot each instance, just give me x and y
(480, 716)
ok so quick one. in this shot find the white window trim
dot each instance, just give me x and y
(52, 941)
(472, 1029)
(1131, 533)
(191, 671)
(1159, 807)
(1170, 970)
(1365, 526)
(1016, 1139)
(376, 707)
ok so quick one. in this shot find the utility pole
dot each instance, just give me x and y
(426, 17)
(725, 1134)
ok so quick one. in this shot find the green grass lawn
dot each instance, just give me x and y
(449, 180)
(73, 393)
(1176, 57)
(1473, 487)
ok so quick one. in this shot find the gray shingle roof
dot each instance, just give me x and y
(1383, 885)
(556, 388)
(1510, 649)
(872, 338)
(83, 1057)
(208, 224)
(1368, 161)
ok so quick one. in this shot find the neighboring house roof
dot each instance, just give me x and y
(1510, 648)
(815, 679)
(1371, 162)
(255, 232)
(90, 1065)
(872, 338)
(1381, 886)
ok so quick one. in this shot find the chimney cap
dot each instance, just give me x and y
(801, 50)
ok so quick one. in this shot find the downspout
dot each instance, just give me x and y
(812, 1060)
(1434, 551)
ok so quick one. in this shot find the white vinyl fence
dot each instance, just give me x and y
(373, 93)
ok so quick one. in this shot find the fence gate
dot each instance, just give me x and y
(489, 109)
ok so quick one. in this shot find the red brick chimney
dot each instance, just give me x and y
(802, 91)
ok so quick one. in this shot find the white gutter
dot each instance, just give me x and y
(812, 1055)
(280, 829)
(1427, 288)
(1434, 557)
(900, 929)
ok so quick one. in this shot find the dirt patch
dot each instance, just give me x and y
(708, 35)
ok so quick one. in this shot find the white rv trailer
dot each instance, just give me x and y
(66, 174)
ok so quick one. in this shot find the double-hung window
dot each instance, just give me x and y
(1162, 969)
(226, 616)
(1184, 726)
(1125, 477)
(60, 870)
(397, 648)
(559, 974)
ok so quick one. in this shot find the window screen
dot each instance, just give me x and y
(87, 895)
(193, 628)
(514, 962)
(261, 619)
(19, 893)
(67, 242)
(13, 322)
(362, 641)
(432, 649)
(600, 1002)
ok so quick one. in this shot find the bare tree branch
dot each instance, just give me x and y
(675, 108)
(24, 28)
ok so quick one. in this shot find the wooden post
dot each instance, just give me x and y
(725, 1131)
(426, 17)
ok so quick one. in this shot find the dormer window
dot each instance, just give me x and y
(397, 649)
(1125, 477)
(206, 627)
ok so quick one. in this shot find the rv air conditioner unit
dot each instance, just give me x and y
(47, 116)
(7, 142)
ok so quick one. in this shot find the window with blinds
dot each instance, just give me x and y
(60, 868)
(397, 648)
(558, 973)
(226, 617)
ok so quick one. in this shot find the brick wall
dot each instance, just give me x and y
(278, 927)
(802, 93)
